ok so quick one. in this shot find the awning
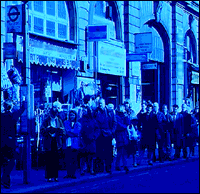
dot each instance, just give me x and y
(50, 54)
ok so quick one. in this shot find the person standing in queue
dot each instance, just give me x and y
(52, 130)
(160, 134)
(9, 120)
(107, 124)
(177, 131)
(122, 137)
(148, 133)
(168, 132)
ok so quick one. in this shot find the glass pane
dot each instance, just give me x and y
(50, 27)
(61, 10)
(51, 8)
(29, 23)
(62, 31)
(29, 5)
(38, 6)
(38, 25)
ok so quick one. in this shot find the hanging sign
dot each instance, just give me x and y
(9, 50)
(149, 66)
(195, 78)
(143, 42)
(98, 33)
(14, 19)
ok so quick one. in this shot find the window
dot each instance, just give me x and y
(50, 7)
(49, 18)
(38, 6)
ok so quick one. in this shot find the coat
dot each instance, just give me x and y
(160, 121)
(148, 130)
(89, 133)
(46, 130)
(73, 133)
(106, 122)
(178, 129)
(121, 132)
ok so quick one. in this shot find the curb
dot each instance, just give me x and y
(84, 179)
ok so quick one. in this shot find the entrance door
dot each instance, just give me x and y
(150, 85)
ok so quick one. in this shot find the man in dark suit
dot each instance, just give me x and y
(160, 134)
(177, 131)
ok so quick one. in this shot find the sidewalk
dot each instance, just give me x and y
(39, 184)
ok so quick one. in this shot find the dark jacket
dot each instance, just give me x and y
(121, 133)
(160, 121)
(89, 133)
(106, 121)
(148, 130)
(46, 130)
(178, 129)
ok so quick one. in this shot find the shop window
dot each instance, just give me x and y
(29, 22)
(38, 25)
(50, 7)
(38, 6)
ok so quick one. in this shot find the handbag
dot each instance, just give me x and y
(132, 133)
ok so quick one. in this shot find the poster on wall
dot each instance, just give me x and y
(111, 59)
(88, 85)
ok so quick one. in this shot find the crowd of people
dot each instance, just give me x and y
(88, 134)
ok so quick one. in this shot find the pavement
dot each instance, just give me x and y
(38, 182)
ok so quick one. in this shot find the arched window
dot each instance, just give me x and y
(106, 13)
(49, 18)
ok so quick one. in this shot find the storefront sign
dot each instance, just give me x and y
(14, 19)
(98, 33)
(52, 55)
(195, 77)
(149, 66)
(143, 42)
(111, 59)
(136, 57)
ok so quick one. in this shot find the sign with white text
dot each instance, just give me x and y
(111, 59)
(14, 19)
(149, 66)
(143, 42)
(98, 33)
(136, 57)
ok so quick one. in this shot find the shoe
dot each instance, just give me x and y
(49, 180)
(67, 176)
(150, 163)
(126, 169)
(5, 185)
(92, 172)
(117, 168)
(56, 179)
(82, 173)
(134, 165)
(73, 177)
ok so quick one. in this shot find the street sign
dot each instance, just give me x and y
(136, 57)
(9, 50)
(149, 66)
(14, 21)
(143, 42)
(98, 33)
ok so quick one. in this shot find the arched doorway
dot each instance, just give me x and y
(161, 77)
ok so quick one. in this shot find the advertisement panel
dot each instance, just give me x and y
(111, 59)
(143, 42)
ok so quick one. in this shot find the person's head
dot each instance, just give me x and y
(164, 108)
(184, 107)
(155, 106)
(121, 108)
(149, 108)
(110, 107)
(127, 104)
(102, 103)
(8, 105)
(87, 99)
(175, 108)
(72, 115)
(57, 106)
(144, 105)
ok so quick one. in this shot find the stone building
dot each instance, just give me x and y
(160, 37)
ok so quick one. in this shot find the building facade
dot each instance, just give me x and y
(161, 36)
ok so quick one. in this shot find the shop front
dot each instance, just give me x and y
(52, 64)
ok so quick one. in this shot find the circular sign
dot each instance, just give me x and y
(13, 13)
